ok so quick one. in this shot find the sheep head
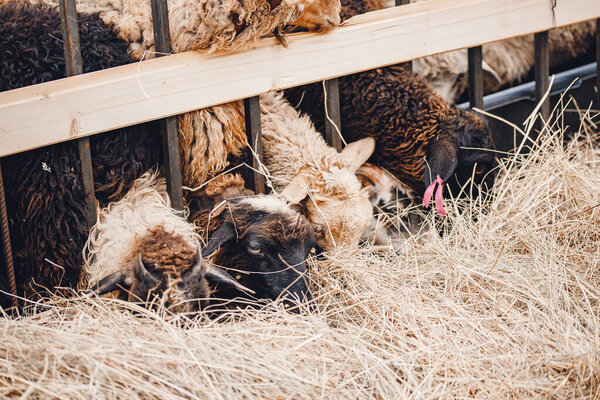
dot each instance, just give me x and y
(333, 200)
(167, 271)
(461, 151)
(318, 15)
(267, 243)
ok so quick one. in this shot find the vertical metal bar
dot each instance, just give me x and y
(408, 65)
(10, 270)
(253, 132)
(170, 134)
(74, 66)
(333, 125)
(542, 71)
(475, 77)
(598, 63)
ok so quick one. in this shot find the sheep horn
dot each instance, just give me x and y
(112, 282)
(215, 274)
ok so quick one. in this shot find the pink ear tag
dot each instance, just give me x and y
(439, 205)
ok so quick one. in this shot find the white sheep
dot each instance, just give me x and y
(309, 172)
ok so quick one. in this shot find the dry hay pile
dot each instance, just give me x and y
(504, 307)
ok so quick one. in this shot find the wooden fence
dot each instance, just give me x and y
(81, 105)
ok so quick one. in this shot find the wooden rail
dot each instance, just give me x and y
(83, 105)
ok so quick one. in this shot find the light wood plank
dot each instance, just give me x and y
(78, 106)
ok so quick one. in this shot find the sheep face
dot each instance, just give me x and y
(320, 15)
(267, 243)
(395, 211)
(167, 271)
(466, 150)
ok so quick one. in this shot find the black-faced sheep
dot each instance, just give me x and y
(147, 252)
(419, 136)
(260, 237)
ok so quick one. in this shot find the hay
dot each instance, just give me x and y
(504, 307)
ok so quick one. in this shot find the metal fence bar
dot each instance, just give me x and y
(74, 66)
(408, 65)
(254, 134)
(170, 134)
(333, 124)
(10, 270)
(542, 71)
(475, 77)
(598, 63)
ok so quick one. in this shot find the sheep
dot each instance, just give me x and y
(261, 236)
(46, 197)
(504, 62)
(208, 25)
(313, 175)
(421, 139)
(145, 251)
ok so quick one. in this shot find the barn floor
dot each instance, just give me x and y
(504, 304)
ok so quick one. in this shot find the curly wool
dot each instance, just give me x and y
(45, 195)
(208, 25)
(389, 104)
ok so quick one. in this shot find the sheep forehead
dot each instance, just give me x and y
(270, 204)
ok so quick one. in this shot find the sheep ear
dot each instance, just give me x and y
(222, 235)
(490, 75)
(214, 274)
(441, 160)
(356, 153)
(295, 191)
(112, 282)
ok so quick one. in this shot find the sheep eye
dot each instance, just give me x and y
(254, 250)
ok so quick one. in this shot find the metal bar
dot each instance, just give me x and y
(571, 79)
(74, 66)
(170, 134)
(598, 63)
(333, 124)
(475, 77)
(253, 132)
(408, 65)
(542, 71)
(10, 270)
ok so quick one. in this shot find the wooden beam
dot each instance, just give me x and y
(333, 124)
(61, 110)
(74, 66)
(169, 131)
(253, 132)
(542, 72)
(475, 77)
